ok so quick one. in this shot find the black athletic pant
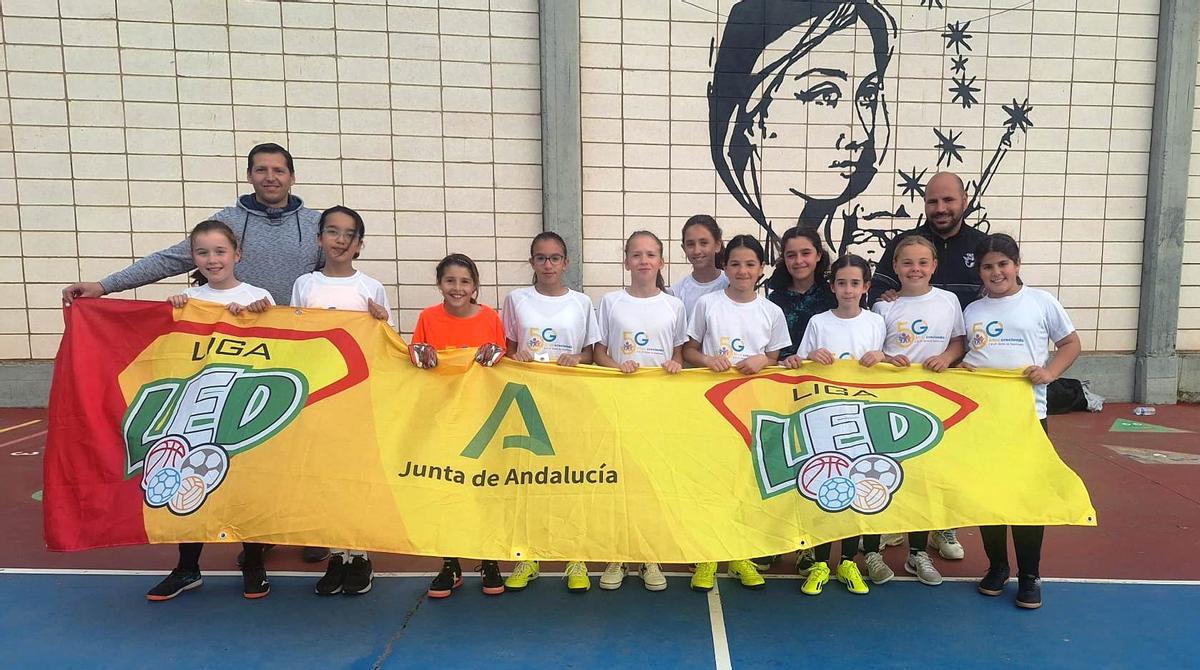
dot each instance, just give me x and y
(189, 555)
(849, 547)
(1027, 541)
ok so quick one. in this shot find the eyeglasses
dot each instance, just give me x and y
(553, 259)
(335, 234)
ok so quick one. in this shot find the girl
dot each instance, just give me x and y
(338, 285)
(1010, 327)
(459, 321)
(547, 322)
(847, 331)
(704, 250)
(925, 327)
(641, 325)
(736, 328)
(798, 285)
(215, 253)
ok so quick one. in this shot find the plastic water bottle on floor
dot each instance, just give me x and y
(1144, 411)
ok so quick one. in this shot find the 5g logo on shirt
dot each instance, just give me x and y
(632, 340)
(906, 335)
(538, 338)
(729, 346)
(981, 334)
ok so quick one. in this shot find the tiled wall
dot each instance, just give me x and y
(1188, 337)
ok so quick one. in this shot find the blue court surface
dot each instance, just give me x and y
(99, 620)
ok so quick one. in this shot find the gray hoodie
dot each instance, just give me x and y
(277, 244)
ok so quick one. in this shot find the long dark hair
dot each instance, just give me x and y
(780, 277)
(462, 261)
(747, 242)
(210, 226)
(710, 224)
(998, 243)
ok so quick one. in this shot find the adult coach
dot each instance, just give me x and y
(277, 236)
(945, 203)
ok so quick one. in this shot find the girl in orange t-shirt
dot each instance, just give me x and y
(458, 322)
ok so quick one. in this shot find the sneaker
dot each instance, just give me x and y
(890, 540)
(747, 573)
(613, 577)
(818, 576)
(335, 575)
(704, 577)
(447, 580)
(175, 583)
(358, 576)
(993, 582)
(764, 562)
(577, 577)
(525, 572)
(314, 554)
(254, 583)
(652, 577)
(848, 574)
(241, 557)
(921, 566)
(946, 543)
(877, 570)
(489, 578)
(1029, 592)
(805, 559)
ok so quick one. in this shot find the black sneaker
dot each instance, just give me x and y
(254, 583)
(764, 562)
(241, 559)
(314, 554)
(805, 558)
(175, 583)
(1029, 592)
(993, 582)
(490, 579)
(447, 580)
(358, 576)
(335, 576)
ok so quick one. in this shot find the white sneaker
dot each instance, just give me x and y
(890, 540)
(920, 565)
(613, 577)
(877, 570)
(652, 577)
(946, 543)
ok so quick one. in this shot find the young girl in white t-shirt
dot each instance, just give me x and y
(845, 332)
(640, 325)
(215, 254)
(338, 285)
(736, 328)
(704, 250)
(548, 322)
(924, 327)
(1011, 327)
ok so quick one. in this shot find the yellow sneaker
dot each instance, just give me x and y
(577, 577)
(525, 572)
(818, 577)
(704, 578)
(848, 574)
(747, 573)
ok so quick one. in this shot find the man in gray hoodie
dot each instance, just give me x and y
(277, 236)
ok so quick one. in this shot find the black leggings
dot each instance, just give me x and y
(1027, 541)
(189, 555)
(849, 547)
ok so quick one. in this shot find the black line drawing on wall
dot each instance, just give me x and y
(778, 82)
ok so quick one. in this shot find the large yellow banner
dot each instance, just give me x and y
(312, 427)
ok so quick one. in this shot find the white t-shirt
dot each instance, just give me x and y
(921, 327)
(1014, 332)
(315, 290)
(645, 330)
(689, 290)
(737, 330)
(242, 294)
(845, 338)
(549, 326)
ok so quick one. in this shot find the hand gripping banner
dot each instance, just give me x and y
(311, 427)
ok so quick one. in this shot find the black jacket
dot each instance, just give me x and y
(956, 270)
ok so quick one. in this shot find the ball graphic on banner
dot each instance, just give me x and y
(870, 496)
(190, 496)
(163, 486)
(819, 468)
(210, 462)
(883, 468)
(168, 452)
(836, 494)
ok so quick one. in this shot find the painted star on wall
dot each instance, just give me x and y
(948, 146)
(1018, 115)
(959, 64)
(912, 186)
(931, 4)
(964, 92)
(956, 36)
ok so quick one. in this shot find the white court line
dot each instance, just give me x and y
(716, 619)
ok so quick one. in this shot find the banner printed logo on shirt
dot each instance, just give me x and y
(730, 346)
(630, 341)
(981, 334)
(906, 334)
(539, 338)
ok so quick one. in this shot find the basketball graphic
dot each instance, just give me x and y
(836, 494)
(162, 486)
(880, 467)
(870, 496)
(818, 469)
(189, 497)
(168, 452)
(209, 462)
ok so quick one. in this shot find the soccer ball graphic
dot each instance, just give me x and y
(835, 494)
(883, 468)
(163, 485)
(209, 462)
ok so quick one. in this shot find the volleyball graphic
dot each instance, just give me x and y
(870, 496)
(167, 452)
(818, 469)
(162, 486)
(189, 497)
(883, 468)
(836, 494)
(210, 462)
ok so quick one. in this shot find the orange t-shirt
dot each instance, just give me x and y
(439, 328)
